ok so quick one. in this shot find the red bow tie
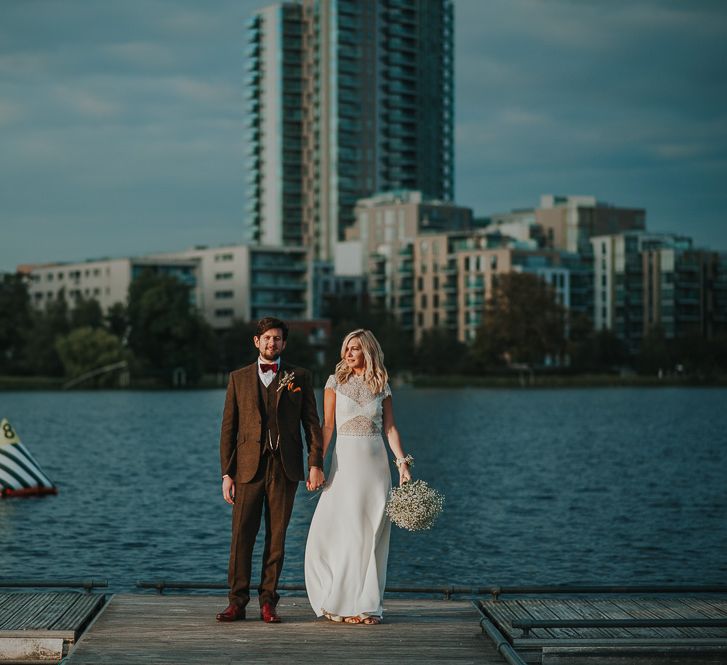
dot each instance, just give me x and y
(268, 368)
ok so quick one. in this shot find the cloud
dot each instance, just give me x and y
(130, 115)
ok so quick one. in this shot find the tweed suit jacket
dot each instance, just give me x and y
(241, 435)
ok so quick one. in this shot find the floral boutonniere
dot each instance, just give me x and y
(286, 381)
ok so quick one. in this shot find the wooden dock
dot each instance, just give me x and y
(615, 644)
(137, 629)
(36, 627)
(153, 629)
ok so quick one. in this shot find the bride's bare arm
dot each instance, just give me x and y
(392, 436)
(329, 418)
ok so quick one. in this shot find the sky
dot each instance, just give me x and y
(121, 123)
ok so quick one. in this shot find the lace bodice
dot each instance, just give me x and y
(358, 411)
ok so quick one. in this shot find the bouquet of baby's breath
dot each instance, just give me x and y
(414, 506)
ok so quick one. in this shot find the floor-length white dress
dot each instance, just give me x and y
(348, 541)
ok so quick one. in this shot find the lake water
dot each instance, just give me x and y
(611, 486)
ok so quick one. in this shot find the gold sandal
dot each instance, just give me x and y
(373, 620)
(352, 620)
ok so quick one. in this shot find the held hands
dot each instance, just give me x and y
(228, 489)
(316, 479)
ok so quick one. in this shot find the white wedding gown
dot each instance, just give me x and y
(348, 541)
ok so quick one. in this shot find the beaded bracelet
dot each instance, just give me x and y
(408, 460)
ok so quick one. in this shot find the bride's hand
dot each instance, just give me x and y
(404, 474)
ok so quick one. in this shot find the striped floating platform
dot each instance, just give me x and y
(20, 474)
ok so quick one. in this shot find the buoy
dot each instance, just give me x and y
(20, 474)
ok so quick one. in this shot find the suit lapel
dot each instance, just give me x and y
(279, 391)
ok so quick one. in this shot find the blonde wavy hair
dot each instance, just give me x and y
(375, 375)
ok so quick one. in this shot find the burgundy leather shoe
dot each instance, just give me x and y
(268, 614)
(232, 613)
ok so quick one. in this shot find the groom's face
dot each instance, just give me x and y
(270, 344)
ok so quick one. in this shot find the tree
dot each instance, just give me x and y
(117, 321)
(166, 332)
(346, 316)
(654, 354)
(40, 355)
(439, 352)
(15, 321)
(523, 323)
(591, 350)
(235, 346)
(85, 349)
(86, 313)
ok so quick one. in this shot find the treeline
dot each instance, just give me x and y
(159, 334)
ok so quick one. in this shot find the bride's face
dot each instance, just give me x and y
(353, 355)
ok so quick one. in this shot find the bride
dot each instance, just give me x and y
(348, 541)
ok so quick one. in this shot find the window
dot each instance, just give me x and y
(424, 300)
(224, 294)
(224, 257)
(223, 275)
(435, 299)
(224, 312)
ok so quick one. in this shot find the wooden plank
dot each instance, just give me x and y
(77, 616)
(30, 605)
(634, 655)
(712, 607)
(678, 608)
(544, 609)
(573, 609)
(504, 611)
(623, 608)
(651, 610)
(182, 629)
(10, 603)
(50, 611)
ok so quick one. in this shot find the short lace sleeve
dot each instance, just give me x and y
(331, 383)
(387, 390)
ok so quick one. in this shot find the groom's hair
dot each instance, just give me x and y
(270, 322)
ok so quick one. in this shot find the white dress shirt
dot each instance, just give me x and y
(267, 377)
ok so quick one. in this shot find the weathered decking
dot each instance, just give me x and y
(155, 630)
(614, 644)
(42, 626)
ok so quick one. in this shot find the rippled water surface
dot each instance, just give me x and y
(619, 486)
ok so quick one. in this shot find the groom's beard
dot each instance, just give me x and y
(271, 356)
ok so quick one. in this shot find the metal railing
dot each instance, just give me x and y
(452, 590)
(526, 625)
(88, 585)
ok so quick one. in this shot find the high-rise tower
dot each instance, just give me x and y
(346, 98)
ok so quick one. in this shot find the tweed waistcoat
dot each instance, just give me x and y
(267, 401)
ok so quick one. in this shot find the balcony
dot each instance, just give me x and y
(263, 265)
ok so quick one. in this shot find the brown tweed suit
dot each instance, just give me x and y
(265, 480)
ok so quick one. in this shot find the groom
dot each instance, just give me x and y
(261, 451)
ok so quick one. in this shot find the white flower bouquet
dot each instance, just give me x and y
(414, 506)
